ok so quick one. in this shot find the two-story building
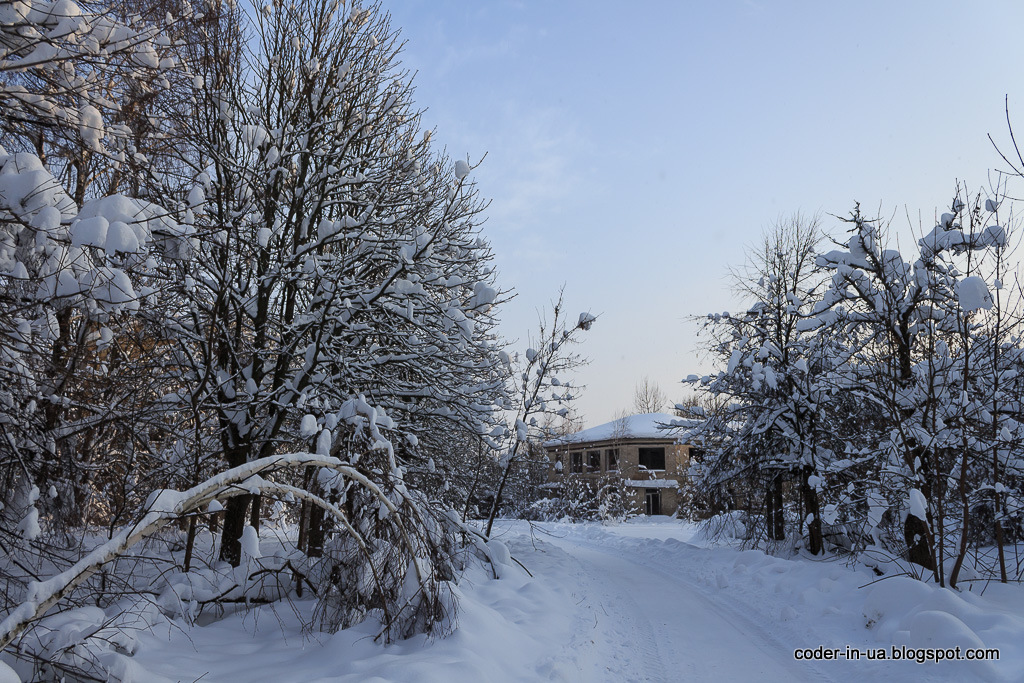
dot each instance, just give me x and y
(645, 451)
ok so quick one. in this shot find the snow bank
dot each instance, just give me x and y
(7, 674)
(507, 630)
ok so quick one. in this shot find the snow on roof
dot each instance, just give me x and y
(646, 426)
(652, 483)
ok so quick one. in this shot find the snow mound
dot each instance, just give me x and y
(937, 629)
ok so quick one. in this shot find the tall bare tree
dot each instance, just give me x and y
(648, 397)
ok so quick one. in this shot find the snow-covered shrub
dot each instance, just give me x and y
(582, 499)
(545, 510)
(580, 495)
(397, 568)
(727, 525)
(577, 501)
(614, 504)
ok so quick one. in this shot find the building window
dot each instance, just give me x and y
(593, 461)
(612, 459)
(652, 458)
(577, 462)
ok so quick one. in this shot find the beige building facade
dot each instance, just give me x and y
(644, 451)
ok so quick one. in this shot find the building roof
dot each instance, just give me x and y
(646, 426)
(651, 483)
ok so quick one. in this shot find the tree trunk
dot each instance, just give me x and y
(237, 507)
(915, 534)
(769, 511)
(997, 505)
(234, 524)
(300, 543)
(775, 521)
(254, 512)
(190, 542)
(815, 542)
(476, 481)
(498, 495)
(303, 540)
(965, 526)
(1000, 541)
(779, 520)
(315, 537)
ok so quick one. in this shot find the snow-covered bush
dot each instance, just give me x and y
(727, 525)
(614, 505)
(580, 496)
(545, 510)
(583, 499)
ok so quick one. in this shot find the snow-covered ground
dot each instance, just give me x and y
(643, 601)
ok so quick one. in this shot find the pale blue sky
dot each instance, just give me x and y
(635, 149)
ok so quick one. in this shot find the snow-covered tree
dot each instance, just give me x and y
(892, 391)
(338, 257)
(914, 352)
(306, 274)
(538, 392)
(76, 259)
(773, 428)
(338, 295)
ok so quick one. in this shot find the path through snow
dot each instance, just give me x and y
(630, 603)
(649, 625)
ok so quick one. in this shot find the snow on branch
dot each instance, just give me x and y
(167, 505)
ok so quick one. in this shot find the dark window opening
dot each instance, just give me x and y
(652, 458)
(612, 457)
(577, 462)
(593, 461)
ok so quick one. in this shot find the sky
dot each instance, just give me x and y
(633, 152)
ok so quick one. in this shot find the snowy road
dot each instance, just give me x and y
(646, 605)
(635, 602)
(652, 625)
